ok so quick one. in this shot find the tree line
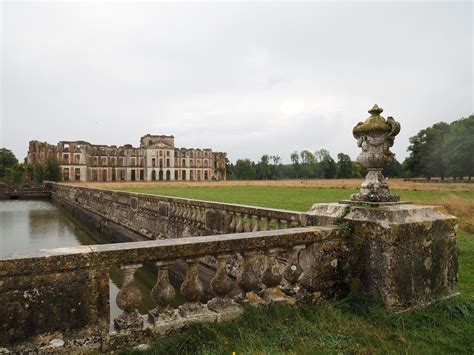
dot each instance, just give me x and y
(13, 172)
(304, 165)
(442, 150)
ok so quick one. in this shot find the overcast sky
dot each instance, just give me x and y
(245, 78)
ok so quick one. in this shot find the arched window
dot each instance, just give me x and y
(153, 174)
(160, 175)
(183, 174)
(168, 175)
(176, 175)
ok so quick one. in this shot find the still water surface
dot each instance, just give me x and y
(31, 225)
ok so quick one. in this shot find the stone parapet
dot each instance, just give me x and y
(64, 292)
(169, 217)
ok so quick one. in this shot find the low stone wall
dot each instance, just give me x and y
(160, 217)
(23, 192)
(63, 293)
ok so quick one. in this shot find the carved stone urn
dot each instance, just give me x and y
(375, 136)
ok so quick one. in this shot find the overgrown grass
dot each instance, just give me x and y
(353, 325)
(460, 204)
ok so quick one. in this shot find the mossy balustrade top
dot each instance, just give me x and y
(98, 256)
(146, 201)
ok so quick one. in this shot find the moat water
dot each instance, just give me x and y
(30, 225)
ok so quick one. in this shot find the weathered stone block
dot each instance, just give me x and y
(42, 303)
(404, 254)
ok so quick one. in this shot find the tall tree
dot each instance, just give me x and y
(308, 164)
(344, 166)
(7, 160)
(295, 160)
(51, 170)
(459, 148)
(426, 151)
(245, 169)
(326, 167)
(264, 170)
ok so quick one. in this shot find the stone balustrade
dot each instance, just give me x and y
(66, 289)
(24, 191)
(158, 217)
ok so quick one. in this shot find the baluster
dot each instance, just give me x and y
(128, 300)
(284, 224)
(162, 294)
(199, 215)
(192, 290)
(277, 223)
(247, 223)
(250, 278)
(272, 277)
(256, 227)
(221, 286)
(239, 228)
(293, 270)
(203, 216)
(232, 223)
(266, 224)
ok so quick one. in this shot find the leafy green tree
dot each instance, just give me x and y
(344, 166)
(264, 170)
(459, 148)
(229, 168)
(308, 164)
(38, 174)
(356, 169)
(51, 170)
(326, 166)
(295, 160)
(7, 160)
(393, 169)
(245, 169)
(426, 152)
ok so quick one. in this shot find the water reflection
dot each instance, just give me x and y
(31, 225)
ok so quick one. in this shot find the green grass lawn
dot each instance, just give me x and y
(353, 325)
(290, 198)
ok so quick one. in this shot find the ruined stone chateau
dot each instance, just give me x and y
(155, 159)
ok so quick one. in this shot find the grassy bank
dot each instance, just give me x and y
(459, 203)
(353, 325)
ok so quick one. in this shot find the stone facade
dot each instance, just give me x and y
(157, 158)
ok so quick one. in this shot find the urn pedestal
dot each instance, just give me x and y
(402, 254)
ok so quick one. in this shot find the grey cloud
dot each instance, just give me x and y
(244, 78)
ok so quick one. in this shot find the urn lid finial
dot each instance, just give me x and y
(375, 123)
(376, 110)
